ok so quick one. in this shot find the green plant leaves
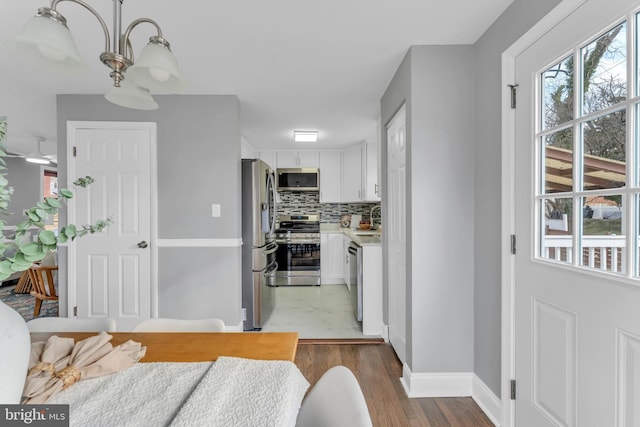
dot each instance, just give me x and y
(19, 262)
(47, 237)
(5, 267)
(83, 182)
(31, 248)
(71, 231)
(31, 252)
(54, 203)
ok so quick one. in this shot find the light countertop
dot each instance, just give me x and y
(362, 240)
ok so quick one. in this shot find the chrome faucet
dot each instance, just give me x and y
(371, 214)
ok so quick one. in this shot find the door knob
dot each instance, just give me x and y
(143, 244)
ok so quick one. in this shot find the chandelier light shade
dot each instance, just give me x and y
(48, 43)
(46, 40)
(131, 95)
(157, 69)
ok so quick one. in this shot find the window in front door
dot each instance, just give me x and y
(588, 162)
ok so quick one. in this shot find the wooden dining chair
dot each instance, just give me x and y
(24, 283)
(43, 285)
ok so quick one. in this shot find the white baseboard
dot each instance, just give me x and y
(436, 384)
(385, 332)
(234, 328)
(490, 404)
(453, 384)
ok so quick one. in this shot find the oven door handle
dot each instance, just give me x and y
(296, 242)
(271, 248)
(271, 269)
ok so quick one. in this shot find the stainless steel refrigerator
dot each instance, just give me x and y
(258, 242)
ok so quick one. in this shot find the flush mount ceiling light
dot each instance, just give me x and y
(305, 135)
(46, 40)
(37, 157)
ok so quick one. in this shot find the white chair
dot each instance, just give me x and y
(336, 400)
(71, 324)
(161, 324)
(14, 356)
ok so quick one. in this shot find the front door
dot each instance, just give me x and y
(396, 232)
(113, 268)
(577, 287)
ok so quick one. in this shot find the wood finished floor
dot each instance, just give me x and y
(378, 371)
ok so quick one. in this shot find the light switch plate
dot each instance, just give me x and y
(215, 210)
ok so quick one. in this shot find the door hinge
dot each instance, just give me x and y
(513, 244)
(75, 311)
(513, 389)
(74, 151)
(513, 95)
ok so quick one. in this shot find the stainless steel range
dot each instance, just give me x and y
(298, 254)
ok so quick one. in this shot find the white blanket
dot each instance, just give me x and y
(230, 392)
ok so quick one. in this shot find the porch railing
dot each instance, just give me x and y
(598, 252)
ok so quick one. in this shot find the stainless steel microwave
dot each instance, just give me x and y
(298, 179)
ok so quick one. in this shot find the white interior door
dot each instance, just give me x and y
(113, 268)
(395, 229)
(577, 331)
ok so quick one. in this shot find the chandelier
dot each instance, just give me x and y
(46, 40)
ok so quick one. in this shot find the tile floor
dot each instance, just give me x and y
(314, 312)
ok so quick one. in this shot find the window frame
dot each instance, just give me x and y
(630, 191)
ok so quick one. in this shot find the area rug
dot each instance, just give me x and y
(23, 303)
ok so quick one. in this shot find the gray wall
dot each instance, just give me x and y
(514, 22)
(26, 180)
(453, 96)
(198, 163)
(442, 170)
(440, 219)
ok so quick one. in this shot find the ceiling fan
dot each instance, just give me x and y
(34, 156)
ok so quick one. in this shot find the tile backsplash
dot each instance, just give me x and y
(308, 203)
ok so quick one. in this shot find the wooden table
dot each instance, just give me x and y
(200, 346)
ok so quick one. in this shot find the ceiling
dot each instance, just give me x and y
(294, 64)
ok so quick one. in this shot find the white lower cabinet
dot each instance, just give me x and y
(372, 323)
(331, 258)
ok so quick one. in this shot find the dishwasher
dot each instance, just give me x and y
(355, 263)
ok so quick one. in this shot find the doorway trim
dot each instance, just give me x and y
(72, 127)
(553, 18)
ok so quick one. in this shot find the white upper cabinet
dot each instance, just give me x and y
(349, 175)
(270, 158)
(352, 183)
(330, 177)
(298, 159)
(371, 184)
